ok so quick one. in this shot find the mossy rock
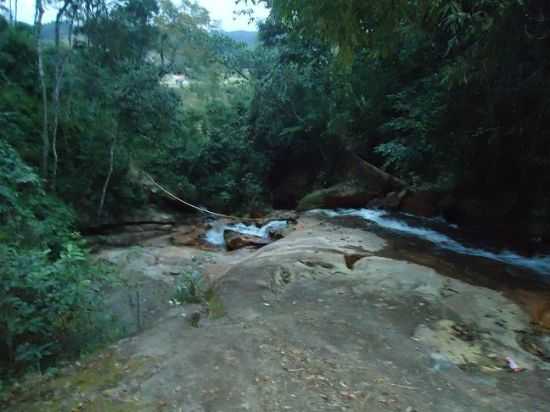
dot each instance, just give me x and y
(343, 195)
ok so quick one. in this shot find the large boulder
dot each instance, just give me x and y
(421, 203)
(292, 182)
(235, 240)
(392, 201)
(343, 195)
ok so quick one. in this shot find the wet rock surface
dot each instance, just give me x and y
(344, 195)
(235, 240)
(317, 321)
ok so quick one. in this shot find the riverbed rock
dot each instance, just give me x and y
(235, 240)
(127, 238)
(343, 195)
(392, 201)
(421, 203)
(290, 216)
(188, 236)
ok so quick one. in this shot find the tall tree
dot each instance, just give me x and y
(61, 56)
(39, 13)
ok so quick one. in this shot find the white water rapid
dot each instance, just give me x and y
(215, 235)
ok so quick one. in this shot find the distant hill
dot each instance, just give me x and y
(248, 37)
(48, 31)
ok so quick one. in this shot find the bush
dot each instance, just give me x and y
(45, 304)
(190, 289)
(49, 289)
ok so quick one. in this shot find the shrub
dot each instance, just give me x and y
(46, 304)
(49, 289)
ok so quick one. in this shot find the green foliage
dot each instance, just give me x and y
(293, 96)
(210, 159)
(190, 288)
(48, 289)
(112, 99)
(46, 304)
(423, 88)
(27, 214)
(430, 93)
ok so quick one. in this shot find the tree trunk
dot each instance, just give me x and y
(59, 71)
(39, 12)
(57, 91)
(108, 178)
(162, 38)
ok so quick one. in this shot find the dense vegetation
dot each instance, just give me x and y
(75, 136)
(451, 96)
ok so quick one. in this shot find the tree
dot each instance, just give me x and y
(39, 12)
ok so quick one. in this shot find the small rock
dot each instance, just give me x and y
(195, 319)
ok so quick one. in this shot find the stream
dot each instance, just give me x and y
(424, 229)
(436, 231)
(215, 235)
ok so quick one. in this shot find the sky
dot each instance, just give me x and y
(220, 10)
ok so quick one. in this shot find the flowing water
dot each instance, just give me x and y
(424, 229)
(215, 235)
(437, 232)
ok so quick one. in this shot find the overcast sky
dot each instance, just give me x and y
(220, 10)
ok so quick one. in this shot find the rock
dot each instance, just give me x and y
(288, 215)
(235, 240)
(420, 203)
(280, 233)
(257, 214)
(125, 239)
(292, 182)
(344, 195)
(146, 227)
(392, 201)
(152, 215)
(188, 236)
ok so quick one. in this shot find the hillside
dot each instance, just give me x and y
(48, 31)
(248, 37)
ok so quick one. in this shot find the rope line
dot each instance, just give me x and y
(198, 208)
